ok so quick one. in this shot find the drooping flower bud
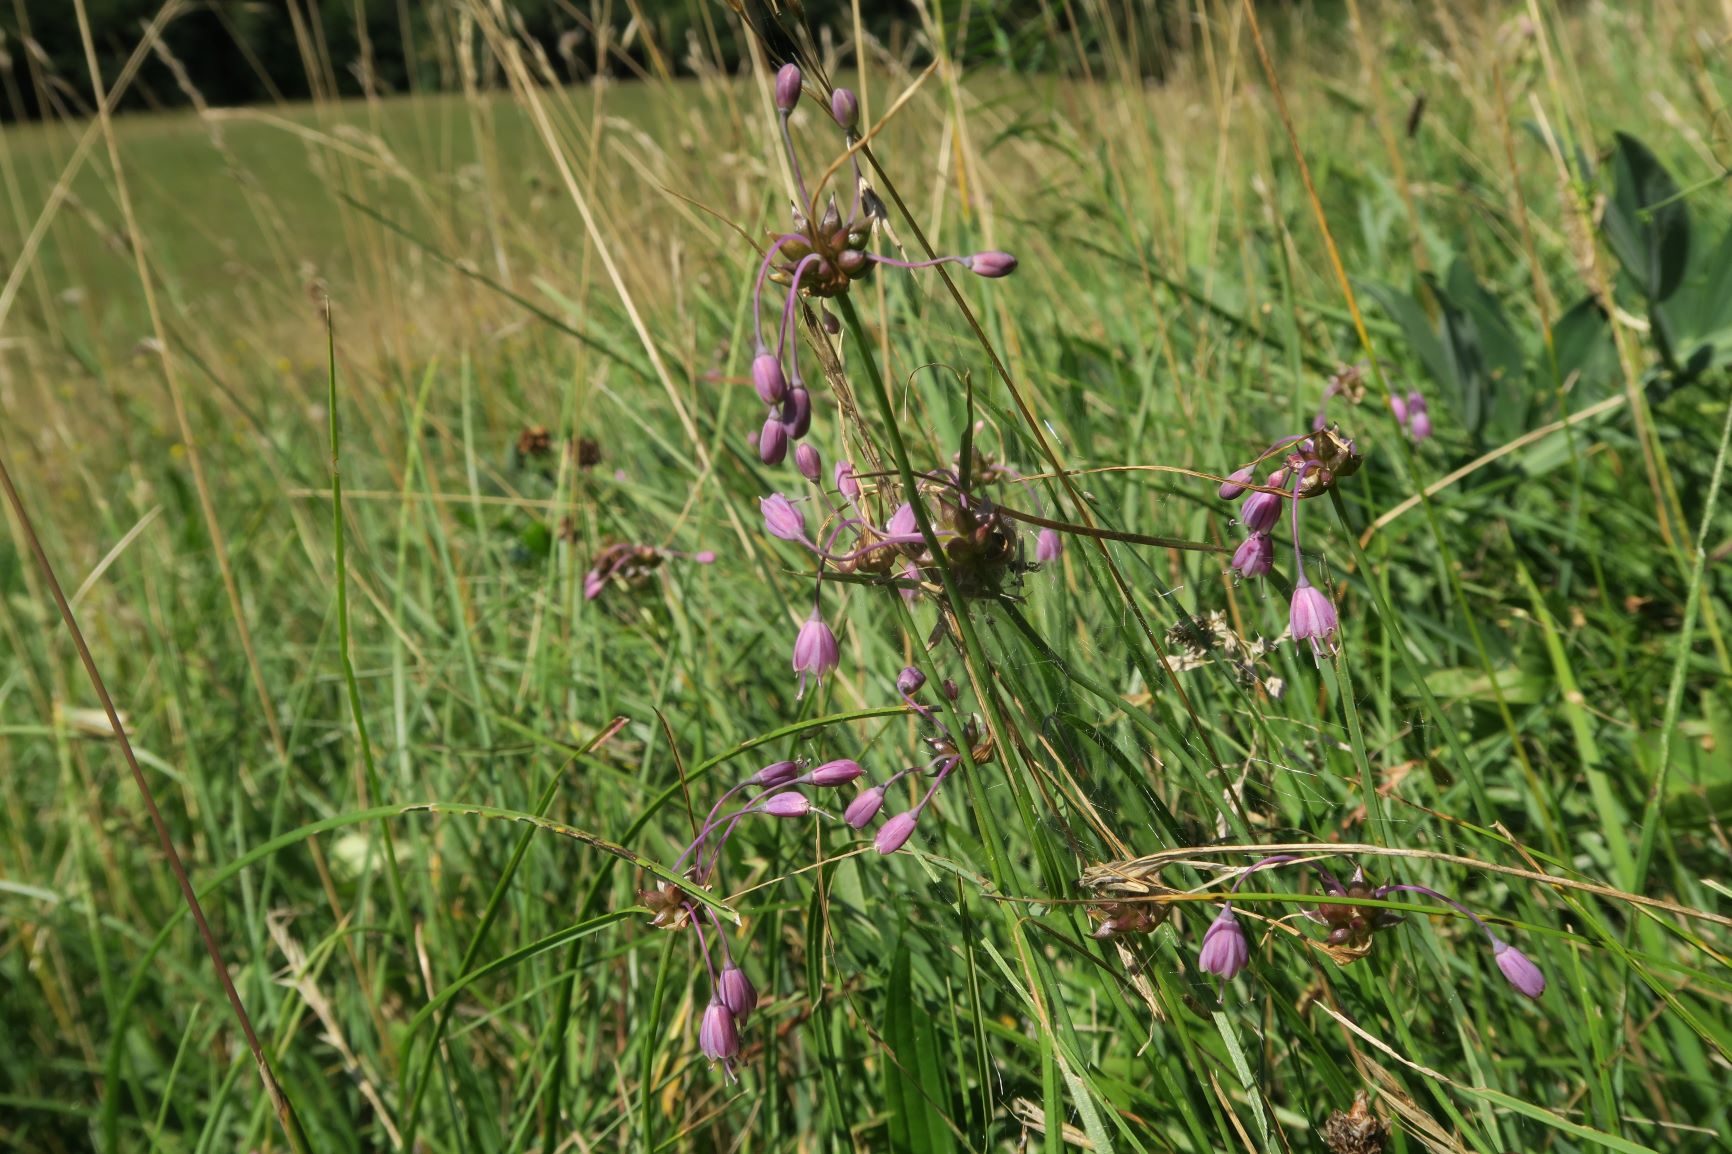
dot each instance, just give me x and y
(1047, 546)
(1312, 617)
(773, 442)
(1235, 483)
(990, 264)
(951, 690)
(845, 482)
(807, 460)
(1225, 950)
(864, 808)
(902, 522)
(777, 773)
(788, 87)
(782, 519)
(845, 107)
(797, 411)
(1399, 408)
(1418, 417)
(734, 990)
(787, 805)
(815, 651)
(718, 1037)
(1519, 969)
(894, 834)
(1256, 557)
(593, 584)
(1261, 509)
(909, 681)
(839, 772)
(767, 378)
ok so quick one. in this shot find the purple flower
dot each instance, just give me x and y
(718, 1038)
(1234, 486)
(1048, 546)
(734, 990)
(593, 583)
(838, 772)
(864, 808)
(1519, 969)
(990, 264)
(782, 519)
(1225, 950)
(845, 107)
(767, 378)
(773, 442)
(1312, 617)
(807, 460)
(909, 681)
(777, 773)
(1399, 408)
(902, 522)
(1262, 509)
(1256, 557)
(815, 651)
(845, 482)
(911, 575)
(1418, 417)
(797, 411)
(788, 87)
(787, 805)
(894, 834)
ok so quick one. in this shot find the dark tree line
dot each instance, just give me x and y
(248, 51)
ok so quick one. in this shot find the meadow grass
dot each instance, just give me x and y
(421, 782)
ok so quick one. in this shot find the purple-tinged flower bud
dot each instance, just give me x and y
(734, 990)
(902, 522)
(767, 378)
(797, 411)
(911, 578)
(1419, 420)
(777, 773)
(950, 689)
(773, 442)
(990, 264)
(839, 772)
(1234, 485)
(1225, 950)
(593, 584)
(826, 318)
(815, 651)
(787, 805)
(707, 557)
(718, 1037)
(845, 482)
(807, 460)
(1047, 546)
(782, 519)
(909, 681)
(1261, 509)
(1416, 402)
(1399, 408)
(845, 107)
(1312, 617)
(1256, 557)
(1519, 969)
(864, 808)
(788, 87)
(894, 834)
(852, 262)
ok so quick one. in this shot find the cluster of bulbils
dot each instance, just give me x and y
(630, 566)
(820, 256)
(1226, 949)
(980, 546)
(1311, 464)
(784, 790)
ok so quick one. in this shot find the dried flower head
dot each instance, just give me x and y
(1355, 1131)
